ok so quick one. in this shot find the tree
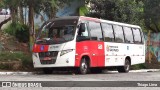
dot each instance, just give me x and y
(152, 15)
(49, 7)
(127, 11)
(1, 4)
(12, 5)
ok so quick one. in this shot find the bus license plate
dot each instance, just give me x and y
(47, 58)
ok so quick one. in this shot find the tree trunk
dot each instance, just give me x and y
(21, 17)
(149, 45)
(52, 13)
(31, 23)
(13, 14)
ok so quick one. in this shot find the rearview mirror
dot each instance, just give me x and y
(82, 27)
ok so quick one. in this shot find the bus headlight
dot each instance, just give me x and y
(65, 51)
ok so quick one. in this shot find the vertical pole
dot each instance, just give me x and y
(149, 44)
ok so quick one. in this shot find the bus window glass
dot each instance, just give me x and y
(58, 31)
(108, 32)
(137, 35)
(119, 37)
(128, 34)
(83, 35)
(86, 32)
(95, 31)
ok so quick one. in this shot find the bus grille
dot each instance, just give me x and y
(48, 57)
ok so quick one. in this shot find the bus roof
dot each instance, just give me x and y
(118, 23)
(97, 20)
(67, 18)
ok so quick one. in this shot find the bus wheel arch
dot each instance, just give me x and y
(126, 67)
(84, 67)
(129, 59)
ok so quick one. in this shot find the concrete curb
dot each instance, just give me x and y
(146, 70)
(16, 73)
(32, 73)
(141, 70)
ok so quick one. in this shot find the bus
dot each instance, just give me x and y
(84, 43)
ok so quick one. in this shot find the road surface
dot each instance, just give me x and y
(109, 76)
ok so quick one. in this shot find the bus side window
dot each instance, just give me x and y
(137, 35)
(108, 32)
(128, 35)
(118, 31)
(95, 31)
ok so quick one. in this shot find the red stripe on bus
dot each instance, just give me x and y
(40, 48)
(90, 19)
(94, 50)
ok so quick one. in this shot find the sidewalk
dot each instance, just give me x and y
(33, 73)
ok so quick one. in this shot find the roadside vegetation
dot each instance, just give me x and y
(17, 38)
(15, 61)
(19, 31)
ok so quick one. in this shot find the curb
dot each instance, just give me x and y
(141, 70)
(16, 73)
(32, 73)
(146, 70)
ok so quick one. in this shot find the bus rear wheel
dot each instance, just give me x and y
(84, 66)
(125, 68)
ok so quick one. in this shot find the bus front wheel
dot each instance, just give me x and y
(125, 68)
(84, 66)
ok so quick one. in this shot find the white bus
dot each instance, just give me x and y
(86, 43)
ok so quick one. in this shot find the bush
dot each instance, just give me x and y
(11, 29)
(20, 31)
(11, 56)
(15, 60)
(139, 66)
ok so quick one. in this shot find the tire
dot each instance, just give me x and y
(84, 66)
(47, 70)
(125, 68)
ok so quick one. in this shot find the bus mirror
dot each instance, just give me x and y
(82, 27)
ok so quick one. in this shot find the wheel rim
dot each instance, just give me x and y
(84, 66)
(127, 65)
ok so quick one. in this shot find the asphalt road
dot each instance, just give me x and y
(109, 76)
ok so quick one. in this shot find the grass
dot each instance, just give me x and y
(11, 56)
(139, 66)
(18, 60)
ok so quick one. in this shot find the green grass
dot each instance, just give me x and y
(26, 60)
(11, 56)
(138, 66)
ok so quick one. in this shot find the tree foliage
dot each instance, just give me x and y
(49, 7)
(128, 11)
(152, 15)
(145, 13)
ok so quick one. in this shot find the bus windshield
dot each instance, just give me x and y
(57, 32)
